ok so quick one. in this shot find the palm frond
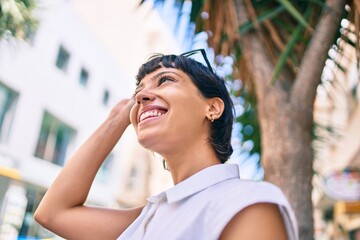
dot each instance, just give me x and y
(295, 13)
(18, 18)
(286, 53)
(265, 17)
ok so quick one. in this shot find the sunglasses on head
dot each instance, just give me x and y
(203, 53)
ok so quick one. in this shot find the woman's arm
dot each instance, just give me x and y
(62, 209)
(256, 222)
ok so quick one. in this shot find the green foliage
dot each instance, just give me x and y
(294, 12)
(17, 17)
(290, 45)
(267, 15)
(286, 29)
(250, 130)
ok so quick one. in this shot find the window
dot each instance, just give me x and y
(105, 169)
(106, 97)
(132, 178)
(30, 229)
(8, 100)
(84, 77)
(63, 58)
(54, 140)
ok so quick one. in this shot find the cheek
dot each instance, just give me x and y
(189, 115)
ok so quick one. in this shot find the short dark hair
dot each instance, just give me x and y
(210, 85)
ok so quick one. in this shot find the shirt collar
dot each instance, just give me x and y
(202, 180)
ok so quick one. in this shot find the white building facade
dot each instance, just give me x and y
(56, 89)
(54, 92)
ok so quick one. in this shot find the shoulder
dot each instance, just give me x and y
(245, 224)
(231, 197)
(246, 192)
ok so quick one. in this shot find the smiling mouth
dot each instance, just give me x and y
(151, 114)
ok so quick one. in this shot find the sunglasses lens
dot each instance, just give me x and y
(203, 53)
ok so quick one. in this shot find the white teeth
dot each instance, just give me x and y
(152, 113)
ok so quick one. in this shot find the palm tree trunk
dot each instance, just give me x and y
(285, 137)
(287, 156)
(285, 113)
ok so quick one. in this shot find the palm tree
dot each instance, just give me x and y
(280, 49)
(17, 18)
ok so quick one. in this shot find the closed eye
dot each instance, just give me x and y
(163, 79)
(158, 80)
(136, 92)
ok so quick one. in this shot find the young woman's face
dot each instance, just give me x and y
(169, 111)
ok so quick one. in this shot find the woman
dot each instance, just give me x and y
(181, 110)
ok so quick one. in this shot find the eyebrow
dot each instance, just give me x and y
(155, 77)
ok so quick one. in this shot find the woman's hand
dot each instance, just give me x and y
(122, 110)
(62, 209)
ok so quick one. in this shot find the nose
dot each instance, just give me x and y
(144, 96)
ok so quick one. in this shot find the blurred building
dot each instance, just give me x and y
(158, 27)
(56, 89)
(132, 32)
(337, 164)
(154, 28)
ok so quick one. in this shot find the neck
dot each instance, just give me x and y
(183, 164)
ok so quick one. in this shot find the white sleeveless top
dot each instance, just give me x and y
(201, 206)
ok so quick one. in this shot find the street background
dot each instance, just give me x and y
(59, 81)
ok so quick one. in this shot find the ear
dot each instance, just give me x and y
(215, 108)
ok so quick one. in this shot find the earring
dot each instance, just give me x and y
(211, 118)
(159, 157)
(164, 165)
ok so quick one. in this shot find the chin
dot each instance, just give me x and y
(153, 144)
(146, 141)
